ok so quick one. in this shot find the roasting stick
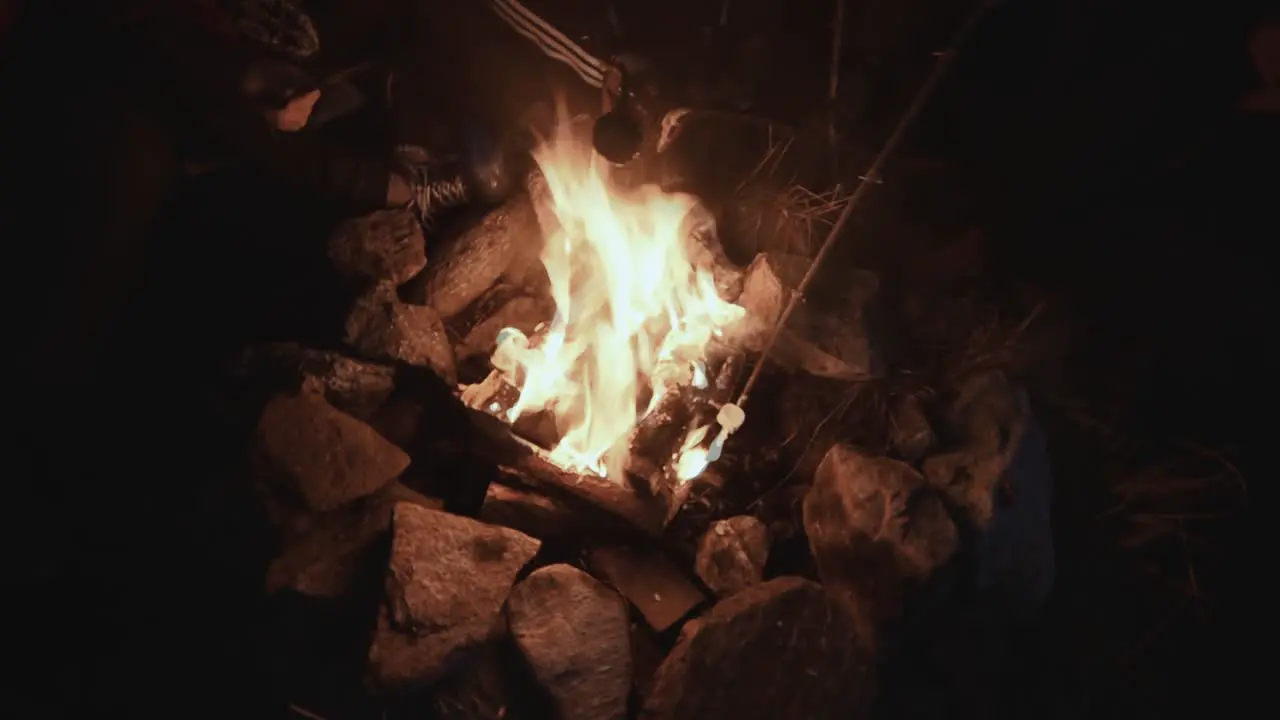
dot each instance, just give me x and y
(945, 60)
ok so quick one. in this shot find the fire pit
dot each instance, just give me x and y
(569, 365)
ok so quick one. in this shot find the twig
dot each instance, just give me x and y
(917, 104)
(304, 712)
(837, 35)
(838, 411)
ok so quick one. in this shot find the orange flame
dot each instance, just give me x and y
(634, 315)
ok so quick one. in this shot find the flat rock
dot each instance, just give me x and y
(381, 326)
(732, 554)
(574, 632)
(660, 591)
(385, 246)
(446, 582)
(327, 558)
(782, 649)
(324, 455)
(876, 529)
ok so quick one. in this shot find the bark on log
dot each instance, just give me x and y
(643, 513)
(601, 501)
(659, 434)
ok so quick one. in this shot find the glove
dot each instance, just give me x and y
(487, 172)
(433, 186)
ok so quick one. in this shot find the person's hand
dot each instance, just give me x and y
(295, 113)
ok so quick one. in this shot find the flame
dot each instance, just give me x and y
(634, 315)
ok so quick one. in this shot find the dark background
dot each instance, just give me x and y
(1097, 148)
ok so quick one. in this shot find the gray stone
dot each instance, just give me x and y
(381, 326)
(782, 649)
(732, 553)
(325, 456)
(447, 580)
(574, 632)
(875, 528)
(328, 555)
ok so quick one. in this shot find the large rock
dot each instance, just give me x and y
(997, 472)
(329, 555)
(386, 246)
(875, 529)
(505, 242)
(381, 326)
(325, 456)
(662, 593)
(446, 583)
(356, 387)
(574, 632)
(732, 554)
(782, 649)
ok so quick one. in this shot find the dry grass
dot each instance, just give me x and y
(774, 207)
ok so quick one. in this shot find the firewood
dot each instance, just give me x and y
(642, 512)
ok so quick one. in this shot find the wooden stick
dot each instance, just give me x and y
(945, 61)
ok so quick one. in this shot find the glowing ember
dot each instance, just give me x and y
(634, 316)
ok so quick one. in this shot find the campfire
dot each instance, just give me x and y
(544, 421)
(638, 319)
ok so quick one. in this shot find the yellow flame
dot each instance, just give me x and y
(634, 316)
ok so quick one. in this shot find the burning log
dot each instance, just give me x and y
(657, 437)
(641, 511)
(529, 512)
